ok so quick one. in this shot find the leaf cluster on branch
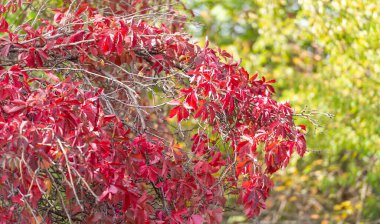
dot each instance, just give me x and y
(86, 135)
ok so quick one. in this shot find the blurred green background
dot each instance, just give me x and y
(325, 56)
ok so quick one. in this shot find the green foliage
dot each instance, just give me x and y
(33, 8)
(324, 54)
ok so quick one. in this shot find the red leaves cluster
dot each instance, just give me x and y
(64, 145)
(63, 128)
(241, 110)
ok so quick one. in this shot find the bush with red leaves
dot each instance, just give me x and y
(112, 116)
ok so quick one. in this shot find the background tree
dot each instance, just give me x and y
(325, 55)
(111, 114)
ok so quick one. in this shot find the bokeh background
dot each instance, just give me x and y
(325, 56)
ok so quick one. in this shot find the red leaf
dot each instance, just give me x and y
(201, 110)
(181, 113)
(58, 16)
(5, 50)
(105, 45)
(93, 51)
(253, 78)
(177, 215)
(118, 43)
(303, 127)
(113, 189)
(4, 178)
(78, 36)
(196, 219)
(173, 112)
(18, 199)
(9, 109)
(192, 100)
(301, 144)
(3, 25)
(228, 103)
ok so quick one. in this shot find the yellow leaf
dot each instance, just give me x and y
(48, 185)
(280, 188)
(44, 164)
(37, 220)
(101, 62)
(314, 216)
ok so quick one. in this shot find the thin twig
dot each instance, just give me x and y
(69, 171)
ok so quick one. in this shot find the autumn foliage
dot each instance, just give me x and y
(114, 115)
